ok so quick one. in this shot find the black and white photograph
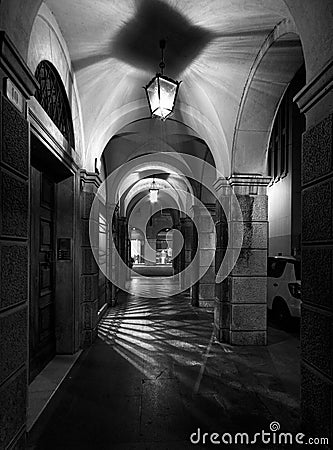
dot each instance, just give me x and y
(166, 224)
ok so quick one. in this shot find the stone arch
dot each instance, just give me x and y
(123, 179)
(46, 43)
(211, 132)
(277, 62)
(169, 185)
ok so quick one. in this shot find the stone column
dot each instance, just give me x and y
(222, 186)
(177, 261)
(89, 267)
(204, 290)
(14, 243)
(122, 248)
(316, 101)
(150, 252)
(194, 273)
(111, 260)
(240, 308)
(187, 232)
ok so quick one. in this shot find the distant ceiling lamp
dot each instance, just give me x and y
(153, 192)
(162, 91)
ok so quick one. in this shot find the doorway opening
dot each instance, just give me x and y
(52, 312)
(42, 340)
(137, 246)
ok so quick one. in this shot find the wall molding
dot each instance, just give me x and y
(316, 89)
(15, 66)
(43, 127)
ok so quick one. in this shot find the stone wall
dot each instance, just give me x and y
(316, 101)
(14, 247)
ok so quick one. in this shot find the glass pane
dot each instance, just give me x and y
(167, 94)
(53, 98)
(275, 267)
(152, 92)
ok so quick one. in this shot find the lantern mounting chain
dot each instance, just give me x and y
(162, 47)
(161, 91)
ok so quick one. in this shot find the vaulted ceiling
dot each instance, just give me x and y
(211, 47)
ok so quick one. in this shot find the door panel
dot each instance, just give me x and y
(42, 326)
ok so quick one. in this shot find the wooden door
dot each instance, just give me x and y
(42, 298)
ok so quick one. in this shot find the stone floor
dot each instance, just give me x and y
(155, 375)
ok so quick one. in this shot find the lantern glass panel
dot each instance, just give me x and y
(152, 92)
(168, 91)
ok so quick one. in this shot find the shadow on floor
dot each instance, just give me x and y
(155, 375)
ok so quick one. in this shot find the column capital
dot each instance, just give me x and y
(222, 186)
(243, 184)
(249, 184)
(249, 179)
(89, 178)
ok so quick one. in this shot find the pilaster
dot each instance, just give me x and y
(89, 268)
(203, 292)
(123, 248)
(186, 228)
(316, 101)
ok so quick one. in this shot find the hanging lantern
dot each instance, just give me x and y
(153, 192)
(162, 92)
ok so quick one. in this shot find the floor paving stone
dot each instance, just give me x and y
(156, 374)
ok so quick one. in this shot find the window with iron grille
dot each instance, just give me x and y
(287, 130)
(52, 96)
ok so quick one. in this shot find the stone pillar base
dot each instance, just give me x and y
(244, 337)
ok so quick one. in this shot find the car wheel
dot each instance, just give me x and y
(281, 314)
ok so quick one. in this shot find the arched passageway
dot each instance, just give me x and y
(226, 162)
(156, 376)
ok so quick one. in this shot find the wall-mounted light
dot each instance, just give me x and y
(162, 91)
(153, 192)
